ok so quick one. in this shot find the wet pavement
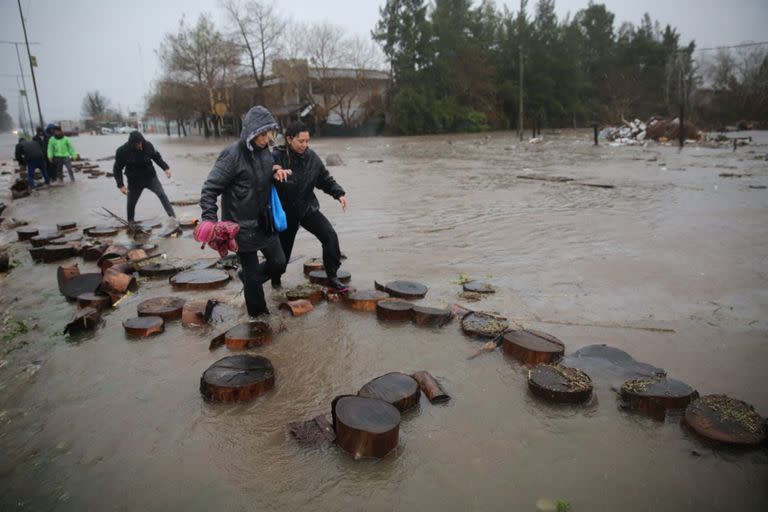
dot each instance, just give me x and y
(670, 265)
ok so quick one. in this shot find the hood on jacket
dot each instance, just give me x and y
(257, 121)
(135, 137)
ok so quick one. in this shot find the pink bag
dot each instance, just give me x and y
(218, 235)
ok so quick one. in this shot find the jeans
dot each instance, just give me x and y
(136, 187)
(58, 168)
(36, 164)
(255, 274)
(317, 224)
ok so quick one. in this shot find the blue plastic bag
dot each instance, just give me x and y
(278, 214)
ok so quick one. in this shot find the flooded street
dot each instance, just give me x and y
(671, 266)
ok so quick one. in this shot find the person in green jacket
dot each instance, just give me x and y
(61, 152)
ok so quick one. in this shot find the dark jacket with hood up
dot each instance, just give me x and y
(242, 176)
(30, 150)
(137, 162)
(297, 193)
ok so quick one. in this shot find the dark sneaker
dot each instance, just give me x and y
(336, 285)
(276, 283)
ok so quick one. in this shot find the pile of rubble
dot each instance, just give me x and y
(657, 128)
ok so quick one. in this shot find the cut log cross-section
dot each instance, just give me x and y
(395, 388)
(26, 233)
(167, 308)
(430, 387)
(726, 420)
(84, 319)
(655, 396)
(321, 278)
(205, 279)
(51, 253)
(237, 379)
(248, 335)
(116, 282)
(311, 292)
(80, 284)
(431, 317)
(158, 270)
(297, 307)
(394, 310)
(483, 325)
(193, 313)
(64, 274)
(94, 300)
(559, 384)
(364, 300)
(403, 289)
(532, 347)
(312, 265)
(144, 326)
(365, 427)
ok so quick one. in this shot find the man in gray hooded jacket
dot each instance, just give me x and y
(243, 176)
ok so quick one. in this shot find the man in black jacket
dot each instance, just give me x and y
(32, 154)
(136, 157)
(243, 175)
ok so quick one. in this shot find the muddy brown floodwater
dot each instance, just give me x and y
(671, 266)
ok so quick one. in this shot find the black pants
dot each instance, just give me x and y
(136, 187)
(58, 168)
(318, 225)
(255, 274)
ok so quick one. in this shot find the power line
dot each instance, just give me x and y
(744, 45)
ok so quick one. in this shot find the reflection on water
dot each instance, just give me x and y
(110, 423)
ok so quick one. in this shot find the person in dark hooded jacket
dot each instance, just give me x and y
(34, 157)
(297, 195)
(243, 175)
(136, 157)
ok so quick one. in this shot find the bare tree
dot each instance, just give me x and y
(172, 101)
(95, 105)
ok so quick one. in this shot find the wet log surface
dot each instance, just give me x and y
(203, 264)
(364, 300)
(84, 319)
(112, 262)
(167, 308)
(51, 253)
(237, 379)
(93, 252)
(94, 300)
(64, 274)
(430, 387)
(44, 239)
(321, 278)
(403, 289)
(136, 254)
(313, 433)
(395, 388)
(205, 279)
(26, 233)
(609, 366)
(657, 395)
(365, 427)
(158, 270)
(394, 310)
(478, 287)
(83, 283)
(115, 281)
(63, 226)
(297, 307)
(726, 420)
(144, 326)
(248, 335)
(424, 316)
(311, 292)
(188, 223)
(193, 313)
(483, 325)
(313, 264)
(559, 384)
(532, 347)
(102, 231)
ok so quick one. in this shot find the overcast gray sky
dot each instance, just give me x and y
(109, 45)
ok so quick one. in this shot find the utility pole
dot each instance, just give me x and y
(520, 58)
(31, 65)
(26, 93)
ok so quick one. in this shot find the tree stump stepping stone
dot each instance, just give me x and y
(26, 233)
(657, 395)
(394, 310)
(167, 308)
(532, 347)
(116, 282)
(430, 387)
(193, 313)
(80, 284)
(144, 326)
(332, 295)
(424, 316)
(321, 278)
(313, 433)
(44, 239)
(94, 300)
(311, 292)
(726, 420)
(102, 231)
(396, 388)
(403, 289)
(365, 427)
(118, 263)
(297, 307)
(136, 254)
(483, 325)
(609, 366)
(248, 335)
(158, 270)
(238, 378)
(63, 226)
(478, 287)
(313, 264)
(364, 300)
(205, 279)
(65, 273)
(559, 384)
(51, 253)
(84, 319)
(92, 252)
(203, 264)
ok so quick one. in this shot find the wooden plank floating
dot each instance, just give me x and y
(403, 289)
(321, 278)
(313, 433)
(478, 287)
(167, 308)
(80, 284)
(656, 396)
(94, 300)
(483, 325)
(395, 388)
(559, 384)
(430, 317)
(205, 279)
(532, 347)
(248, 335)
(394, 310)
(297, 307)
(238, 378)
(26, 233)
(430, 387)
(726, 420)
(158, 270)
(364, 300)
(193, 313)
(311, 292)
(365, 427)
(144, 326)
(85, 319)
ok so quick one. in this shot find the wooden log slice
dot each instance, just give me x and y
(313, 264)
(84, 319)
(36, 253)
(559, 384)
(364, 300)
(459, 311)
(200, 279)
(332, 295)
(727, 420)
(532, 347)
(321, 278)
(158, 270)
(193, 313)
(365, 427)
(102, 231)
(394, 310)
(297, 307)
(311, 292)
(203, 264)
(51, 253)
(406, 289)
(248, 335)
(65, 273)
(114, 262)
(149, 224)
(144, 326)
(188, 223)
(430, 317)
(483, 325)
(26, 233)
(478, 287)
(167, 308)
(93, 252)
(430, 387)
(43, 239)
(83, 283)
(657, 395)
(63, 226)
(313, 433)
(117, 282)
(136, 254)
(237, 379)
(94, 300)
(396, 388)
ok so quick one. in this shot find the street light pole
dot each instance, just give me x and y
(31, 67)
(26, 93)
